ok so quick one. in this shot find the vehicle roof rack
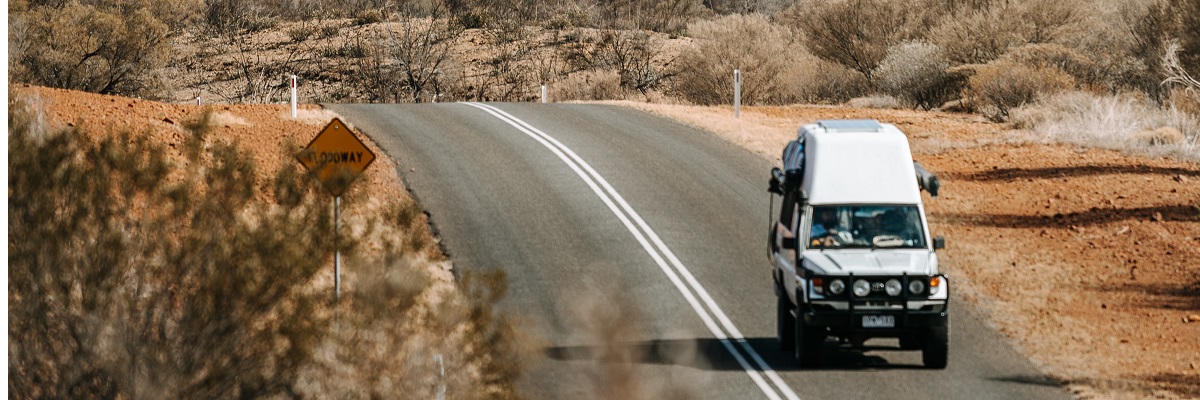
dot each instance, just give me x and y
(858, 125)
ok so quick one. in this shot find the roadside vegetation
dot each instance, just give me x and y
(138, 275)
(995, 58)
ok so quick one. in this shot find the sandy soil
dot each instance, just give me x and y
(1086, 259)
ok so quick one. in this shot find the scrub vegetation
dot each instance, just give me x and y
(989, 57)
(137, 275)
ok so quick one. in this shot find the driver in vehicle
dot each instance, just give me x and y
(824, 231)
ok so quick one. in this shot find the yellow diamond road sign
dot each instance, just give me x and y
(336, 157)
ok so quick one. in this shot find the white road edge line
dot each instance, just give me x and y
(575, 162)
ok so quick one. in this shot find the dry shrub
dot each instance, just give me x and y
(632, 54)
(1184, 100)
(809, 79)
(1104, 50)
(125, 283)
(668, 16)
(1000, 86)
(464, 348)
(1049, 55)
(132, 277)
(408, 61)
(977, 36)
(915, 72)
(102, 48)
(611, 327)
(856, 33)
(1189, 34)
(751, 43)
(1186, 86)
(588, 85)
(1125, 122)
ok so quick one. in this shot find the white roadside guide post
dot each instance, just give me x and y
(737, 93)
(441, 391)
(197, 100)
(293, 96)
(337, 158)
(543, 94)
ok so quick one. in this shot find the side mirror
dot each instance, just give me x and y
(927, 180)
(939, 243)
(776, 184)
(789, 243)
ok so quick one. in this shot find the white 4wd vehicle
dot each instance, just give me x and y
(852, 253)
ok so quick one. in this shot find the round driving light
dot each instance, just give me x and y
(916, 286)
(837, 287)
(862, 287)
(893, 287)
(935, 284)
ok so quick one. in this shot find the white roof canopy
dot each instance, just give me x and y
(858, 162)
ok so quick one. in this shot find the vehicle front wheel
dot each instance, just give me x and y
(937, 347)
(808, 343)
(785, 323)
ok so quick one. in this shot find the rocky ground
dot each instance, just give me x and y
(1085, 258)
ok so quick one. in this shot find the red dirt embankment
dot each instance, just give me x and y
(266, 131)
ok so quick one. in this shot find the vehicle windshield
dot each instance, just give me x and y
(840, 227)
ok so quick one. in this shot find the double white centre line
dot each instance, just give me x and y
(705, 306)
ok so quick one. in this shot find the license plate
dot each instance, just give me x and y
(879, 321)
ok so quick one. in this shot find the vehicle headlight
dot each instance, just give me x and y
(915, 286)
(935, 285)
(892, 287)
(837, 287)
(862, 288)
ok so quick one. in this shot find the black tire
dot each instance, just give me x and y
(808, 344)
(785, 323)
(937, 347)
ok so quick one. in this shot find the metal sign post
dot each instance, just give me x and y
(337, 158)
(337, 248)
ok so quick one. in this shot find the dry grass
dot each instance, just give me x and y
(1120, 122)
(877, 101)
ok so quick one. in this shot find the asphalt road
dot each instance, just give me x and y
(503, 193)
